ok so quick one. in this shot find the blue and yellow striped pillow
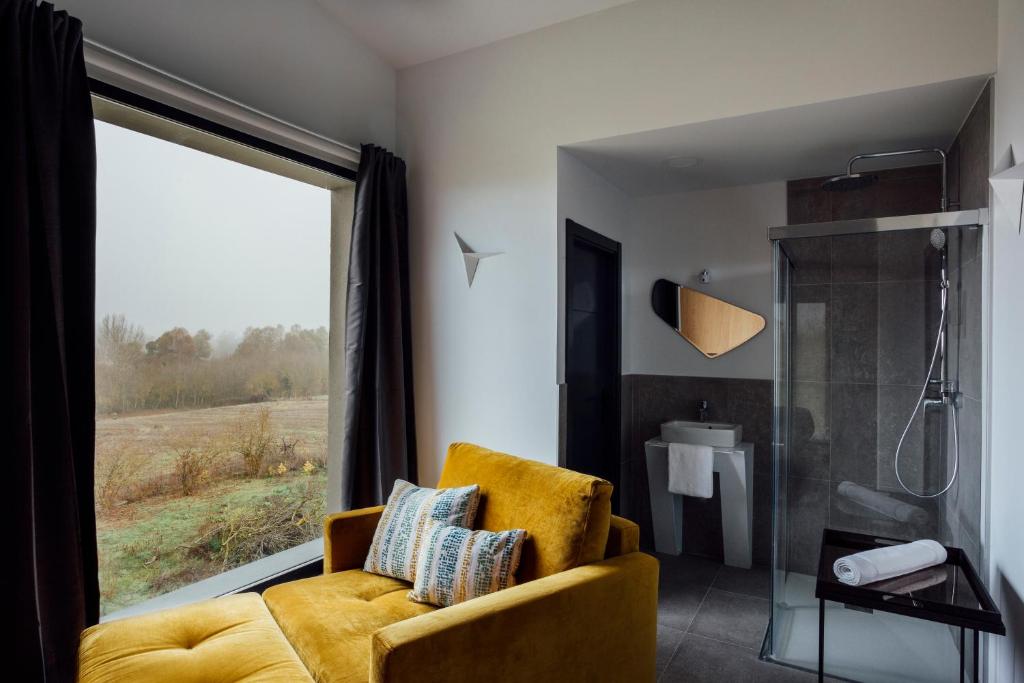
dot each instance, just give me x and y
(397, 540)
(457, 564)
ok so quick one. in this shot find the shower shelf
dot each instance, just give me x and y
(960, 600)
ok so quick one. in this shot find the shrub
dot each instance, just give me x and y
(317, 451)
(253, 438)
(195, 455)
(116, 473)
(242, 535)
(191, 467)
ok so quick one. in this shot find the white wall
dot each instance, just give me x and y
(290, 59)
(480, 131)
(1006, 508)
(676, 236)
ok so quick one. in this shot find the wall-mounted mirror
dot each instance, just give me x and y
(713, 326)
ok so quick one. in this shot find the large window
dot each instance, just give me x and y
(213, 311)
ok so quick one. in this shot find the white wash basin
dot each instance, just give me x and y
(717, 434)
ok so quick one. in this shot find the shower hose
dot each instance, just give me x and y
(920, 403)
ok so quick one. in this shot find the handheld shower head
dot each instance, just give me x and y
(938, 239)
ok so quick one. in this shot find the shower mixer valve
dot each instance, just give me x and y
(948, 395)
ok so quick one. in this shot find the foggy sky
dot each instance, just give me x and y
(189, 239)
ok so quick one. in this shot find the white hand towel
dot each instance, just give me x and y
(889, 562)
(691, 470)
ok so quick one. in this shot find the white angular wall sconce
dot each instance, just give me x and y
(472, 258)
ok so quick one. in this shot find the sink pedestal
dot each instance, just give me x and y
(735, 467)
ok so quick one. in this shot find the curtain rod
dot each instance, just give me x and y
(122, 70)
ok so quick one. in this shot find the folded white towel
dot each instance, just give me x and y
(691, 470)
(884, 505)
(889, 562)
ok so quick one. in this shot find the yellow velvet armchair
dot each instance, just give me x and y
(584, 607)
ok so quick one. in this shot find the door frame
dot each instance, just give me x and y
(575, 231)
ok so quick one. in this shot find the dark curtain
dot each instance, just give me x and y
(48, 209)
(380, 433)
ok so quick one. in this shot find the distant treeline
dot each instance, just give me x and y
(178, 369)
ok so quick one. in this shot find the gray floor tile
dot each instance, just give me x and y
(699, 659)
(755, 581)
(668, 641)
(683, 583)
(687, 569)
(678, 603)
(732, 618)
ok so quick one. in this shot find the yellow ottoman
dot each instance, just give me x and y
(229, 639)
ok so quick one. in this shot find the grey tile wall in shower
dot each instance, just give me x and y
(962, 506)
(969, 163)
(654, 399)
(863, 309)
(969, 166)
(898, 192)
(850, 409)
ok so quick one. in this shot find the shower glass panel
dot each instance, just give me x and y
(782, 270)
(857, 317)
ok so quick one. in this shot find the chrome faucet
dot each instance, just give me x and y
(948, 395)
(702, 411)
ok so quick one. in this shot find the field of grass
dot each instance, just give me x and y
(153, 538)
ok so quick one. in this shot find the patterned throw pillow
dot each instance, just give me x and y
(458, 564)
(396, 542)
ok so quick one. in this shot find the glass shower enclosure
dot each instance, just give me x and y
(858, 314)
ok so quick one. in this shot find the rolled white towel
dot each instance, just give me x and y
(884, 505)
(889, 562)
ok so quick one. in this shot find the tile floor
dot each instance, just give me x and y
(711, 621)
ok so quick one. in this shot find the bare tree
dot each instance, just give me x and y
(119, 347)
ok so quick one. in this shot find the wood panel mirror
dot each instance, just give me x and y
(713, 326)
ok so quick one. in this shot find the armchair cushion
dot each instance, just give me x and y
(330, 619)
(457, 564)
(567, 514)
(410, 508)
(228, 640)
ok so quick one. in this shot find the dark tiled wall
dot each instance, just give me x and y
(962, 510)
(968, 162)
(899, 192)
(969, 167)
(649, 400)
(864, 312)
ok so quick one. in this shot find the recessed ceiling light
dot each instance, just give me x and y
(682, 162)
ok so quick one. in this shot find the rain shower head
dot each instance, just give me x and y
(855, 181)
(848, 182)
(938, 239)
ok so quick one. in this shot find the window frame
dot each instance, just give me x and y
(129, 99)
(305, 559)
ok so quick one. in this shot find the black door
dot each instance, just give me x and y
(593, 295)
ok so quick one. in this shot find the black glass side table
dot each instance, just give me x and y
(952, 595)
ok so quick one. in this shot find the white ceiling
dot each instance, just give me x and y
(799, 142)
(408, 32)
